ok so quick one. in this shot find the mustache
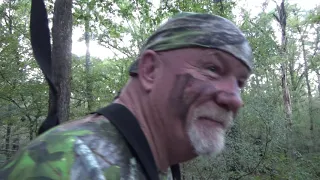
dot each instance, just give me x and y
(215, 113)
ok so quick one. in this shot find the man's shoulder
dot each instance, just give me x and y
(84, 148)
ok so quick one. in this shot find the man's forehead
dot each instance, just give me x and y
(204, 55)
(197, 53)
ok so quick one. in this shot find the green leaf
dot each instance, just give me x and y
(112, 173)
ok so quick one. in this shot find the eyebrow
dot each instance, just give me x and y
(218, 55)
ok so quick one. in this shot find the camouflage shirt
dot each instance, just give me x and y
(90, 148)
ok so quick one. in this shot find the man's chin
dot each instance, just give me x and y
(207, 143)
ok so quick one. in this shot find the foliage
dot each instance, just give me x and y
(256, 144)
(108, 76)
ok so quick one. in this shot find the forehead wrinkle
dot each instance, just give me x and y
(176, 59)
(198, 56)
(208, 56)
(228, 60)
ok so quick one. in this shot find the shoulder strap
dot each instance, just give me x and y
(175, 170)
(40, 42)
(129, 127)
(127, 124)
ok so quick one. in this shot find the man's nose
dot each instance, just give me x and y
(228, 97)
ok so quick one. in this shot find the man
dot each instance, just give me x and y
(184, 91)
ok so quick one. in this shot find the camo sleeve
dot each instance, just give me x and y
(89, 148)
(60, 154)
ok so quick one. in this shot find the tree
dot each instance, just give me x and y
(83, 15)
(305, 27)
(281, 18)
(61, 55)
(55, 63)
(22, 87)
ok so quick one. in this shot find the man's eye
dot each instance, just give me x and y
(213, 69)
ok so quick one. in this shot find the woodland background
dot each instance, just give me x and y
(276, 135)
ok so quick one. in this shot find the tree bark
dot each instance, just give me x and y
(7, 141)
(61, 55)
(9, 124)
(306, 75)
(88, 64)
(281, 17)
(318, 75)
(286, 96)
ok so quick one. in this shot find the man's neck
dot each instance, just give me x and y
(150, 124)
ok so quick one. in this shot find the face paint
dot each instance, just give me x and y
(186, 91)
(177, 97)
(192, 100)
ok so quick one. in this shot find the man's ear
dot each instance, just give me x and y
(147, 68)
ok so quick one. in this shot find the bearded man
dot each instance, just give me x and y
(184, 92)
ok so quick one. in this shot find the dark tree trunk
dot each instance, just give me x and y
(7, 141)
(15, 144)
(61, 56)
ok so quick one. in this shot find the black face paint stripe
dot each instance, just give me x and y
(179, 107)
(182, 96)
(181, 103)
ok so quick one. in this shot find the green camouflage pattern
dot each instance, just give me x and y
(89, 148)
(199, 30)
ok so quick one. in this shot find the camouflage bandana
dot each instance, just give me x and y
(199, 30)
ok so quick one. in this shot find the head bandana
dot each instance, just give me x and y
(199, 30)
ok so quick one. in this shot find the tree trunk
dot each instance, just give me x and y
(7, 141)
(286, 96)
(61, 55)
(306, 75)
(15, 144)
(31, 126)
(9, 124)
(281, 17)
(292, 76)
(318, 75)
(88, 65)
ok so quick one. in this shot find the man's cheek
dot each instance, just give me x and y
(185, 92)
(190, 95)
(177, 97)
(198, 90)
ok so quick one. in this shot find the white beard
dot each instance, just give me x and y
(208, 140)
